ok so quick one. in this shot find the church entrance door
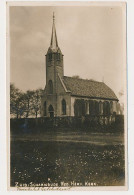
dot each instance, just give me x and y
(51, 111)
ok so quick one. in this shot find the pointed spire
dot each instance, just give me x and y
(54, 42)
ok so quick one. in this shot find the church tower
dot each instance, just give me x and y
(54, 72)
(54, 63)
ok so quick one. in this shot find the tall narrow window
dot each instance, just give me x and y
(100, 108)
(58, 56)
(106, 108)
(111, 107)
(45, 110)
(51, 111)
(91, 107)
(50, 87)
(50, 56)
(79, 107)
(63, 107)
(96, 107)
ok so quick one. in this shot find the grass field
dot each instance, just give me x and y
(80, 158)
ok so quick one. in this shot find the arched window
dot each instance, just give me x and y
(51, 111)
(63, 107)
(50, 87)
(50, 56)
(58, 56)
(45, 110)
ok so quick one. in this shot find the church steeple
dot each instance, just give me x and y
(54, 42)
(54, 58)
(54, 48)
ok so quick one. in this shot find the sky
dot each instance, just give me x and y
(92, 39)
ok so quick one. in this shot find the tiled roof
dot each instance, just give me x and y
(88, 88)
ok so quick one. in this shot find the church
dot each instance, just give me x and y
(72, 96)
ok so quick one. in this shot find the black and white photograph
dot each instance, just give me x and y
(67, 95)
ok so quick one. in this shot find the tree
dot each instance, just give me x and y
(36, 102)
(17, 105)
(24, 104)
(28, 102)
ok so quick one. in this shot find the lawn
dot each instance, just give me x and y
(57, 159)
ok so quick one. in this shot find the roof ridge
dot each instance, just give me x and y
(84, 79)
